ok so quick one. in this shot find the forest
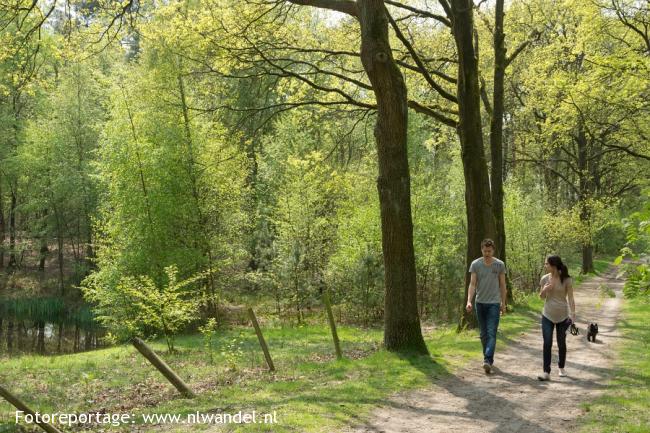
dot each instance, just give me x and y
(165, 166)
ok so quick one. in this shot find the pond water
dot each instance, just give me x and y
(26, 337)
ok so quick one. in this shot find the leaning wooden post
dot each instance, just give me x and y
(18, 404)
(330, 316)
(260, 337)
(162, 367)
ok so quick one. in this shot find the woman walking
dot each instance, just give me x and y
(559, 311)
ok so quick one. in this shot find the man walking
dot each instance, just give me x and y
(488, 281)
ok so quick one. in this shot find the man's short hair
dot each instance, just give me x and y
(487, 243)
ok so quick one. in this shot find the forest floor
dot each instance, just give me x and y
(512, 399)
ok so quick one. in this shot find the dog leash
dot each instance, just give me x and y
(572, 327)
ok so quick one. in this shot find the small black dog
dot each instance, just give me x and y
(592, 331)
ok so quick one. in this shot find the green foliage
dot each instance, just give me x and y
(566, 230)
(439, 221)
(173, 186)
(637, 269)
(577, 131)
(138, 306)
(528, 236)
(637, 284)
(162, 153)
(355, 270)
(208, 330)
(57, 158)
(232, 351)
(305, 236)
(610, 236)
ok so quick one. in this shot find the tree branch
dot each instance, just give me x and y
(485, 98)
(422, 69)
(627, 150)
(447, 8)
(429, 111)
(420, 12)
(348, 7)
(543, 164)
(302, 78)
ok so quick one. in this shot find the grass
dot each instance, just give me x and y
(311, 392)
(624, 406)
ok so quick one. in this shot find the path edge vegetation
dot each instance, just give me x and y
(624, 405)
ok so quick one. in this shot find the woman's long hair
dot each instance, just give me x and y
(561, 267)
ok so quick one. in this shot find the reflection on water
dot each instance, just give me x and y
(46, 325)
(26, 337)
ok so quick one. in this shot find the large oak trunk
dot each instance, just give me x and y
(496, 135)
(402, 330)
(480, 216)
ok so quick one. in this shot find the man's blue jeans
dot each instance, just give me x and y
(488, 322)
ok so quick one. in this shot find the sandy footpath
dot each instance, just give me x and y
(512, 399)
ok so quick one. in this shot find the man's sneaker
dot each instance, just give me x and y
(487, 367)
(544, 376)
(562, 372)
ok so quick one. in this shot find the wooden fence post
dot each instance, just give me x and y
(260, 337)
(162, 367)
(18, 404)
(330, 316)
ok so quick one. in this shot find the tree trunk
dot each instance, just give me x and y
(402, 331)
(2, 228)
(496, 136)
(10, 336)
(34, 329)
(76, 338)
(585, 188)
(60, 261)
(59, 238)
(478, 200)
(40, 345)
(42, 254)
(12, 230)
(587, 246)
(213, 302)
(88, 340)
(587, 259)
(59, 345)
(90, 253)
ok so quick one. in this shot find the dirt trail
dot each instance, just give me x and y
(512, 399)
